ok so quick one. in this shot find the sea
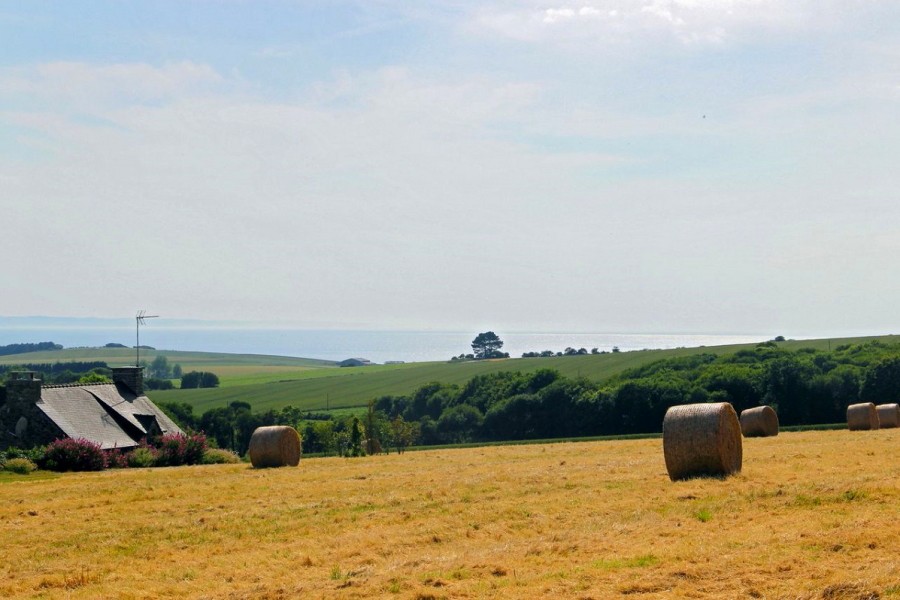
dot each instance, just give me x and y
(336, 345)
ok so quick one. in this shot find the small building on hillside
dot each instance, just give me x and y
(355, 362)
(114, 415)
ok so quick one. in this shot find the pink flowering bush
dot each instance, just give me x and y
(74, 454)
(174, 449)
(116, 459)
(170, 450)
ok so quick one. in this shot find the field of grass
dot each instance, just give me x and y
(274, 382)
(232, 369)
(342, 388)
(812, 515)
(201, 361)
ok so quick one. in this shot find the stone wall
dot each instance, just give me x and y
(22, 423)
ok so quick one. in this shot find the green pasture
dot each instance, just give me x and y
(232, 369)
(322, 389)
(276, 381)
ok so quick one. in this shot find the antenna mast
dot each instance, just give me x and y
(138, 321)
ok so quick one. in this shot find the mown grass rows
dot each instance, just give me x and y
(806, 518)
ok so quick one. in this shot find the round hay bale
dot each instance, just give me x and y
(862, 416)
(888, 415)
(274, 446)
(760, 421)
(702, 440)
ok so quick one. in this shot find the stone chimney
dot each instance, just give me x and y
(130, 377)
(22, 388)
(23, 391)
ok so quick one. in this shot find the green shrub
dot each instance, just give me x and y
(35, 455)
(219, 456)
(140, 457)
(22, 466)
(94, 378)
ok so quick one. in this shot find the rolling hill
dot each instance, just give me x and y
(268, 382)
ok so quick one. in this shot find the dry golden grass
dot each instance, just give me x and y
(812, 515)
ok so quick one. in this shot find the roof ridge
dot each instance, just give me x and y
(72, 385)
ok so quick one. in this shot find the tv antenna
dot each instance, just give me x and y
(139, 320)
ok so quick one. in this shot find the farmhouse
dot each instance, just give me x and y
(355, 362)
(114, 415)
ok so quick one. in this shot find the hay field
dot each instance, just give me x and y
(812, 515)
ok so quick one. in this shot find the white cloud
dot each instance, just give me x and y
(270, 206)
(393, 197)
(687, 21)
(554, 15)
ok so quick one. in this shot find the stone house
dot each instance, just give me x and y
(114, 415)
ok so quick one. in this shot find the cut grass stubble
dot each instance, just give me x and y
(593, 519)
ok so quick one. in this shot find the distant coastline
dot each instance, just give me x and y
(376, 346)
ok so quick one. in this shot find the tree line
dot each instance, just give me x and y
(159, 373)
(232, 426)
(805, 386)
(487, 345)
(28, 347)
(61, 372)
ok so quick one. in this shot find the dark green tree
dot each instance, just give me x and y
(375, 429)
(244, 423)
(403, 433)
(181, 412)
(882, 381)
(428, 433)
(323, 434)
(209, 380)
(94, 378)
(199, 379)
(460, 424)
(786, 381)
(356, 436)
(218, 423)
(514, 418)
(430, 400)
(832, 392)
(159, 368)
(487, 345)
(742, 384)
(158, 384)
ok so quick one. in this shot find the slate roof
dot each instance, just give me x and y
(106, 413)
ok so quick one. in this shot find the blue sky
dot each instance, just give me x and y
(619, 166)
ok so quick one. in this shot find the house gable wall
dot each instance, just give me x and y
(22, 423)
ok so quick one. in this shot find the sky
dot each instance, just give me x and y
(692, 166)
